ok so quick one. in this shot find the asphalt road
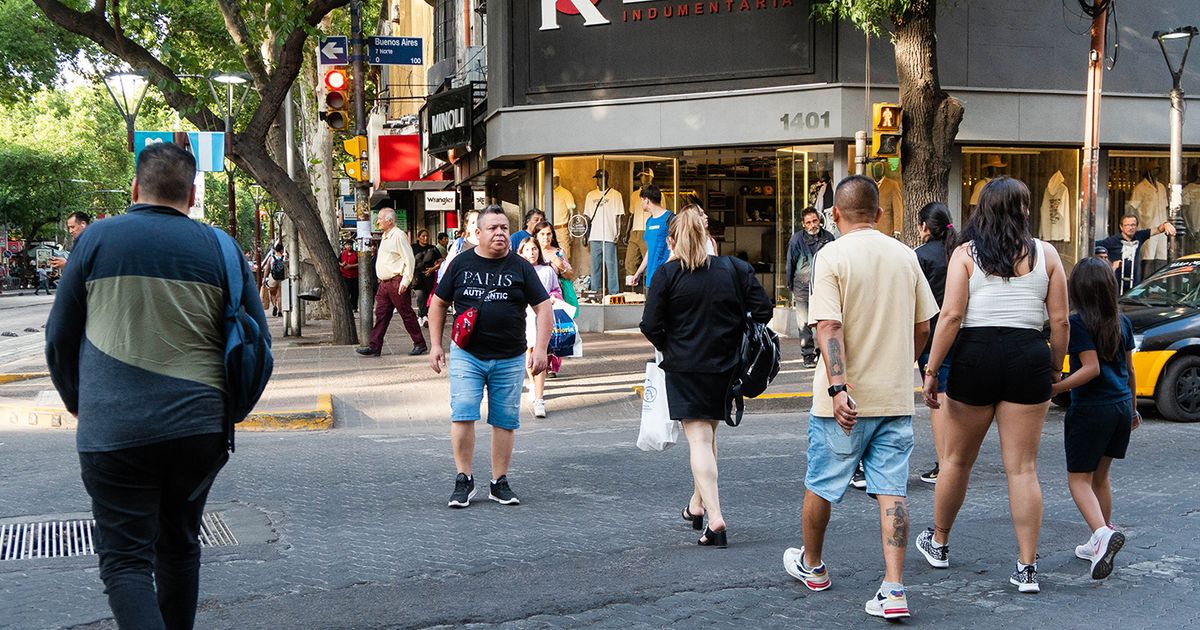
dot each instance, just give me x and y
(22, 318)
(349, 529)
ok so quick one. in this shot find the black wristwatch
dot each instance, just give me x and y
(834, 390)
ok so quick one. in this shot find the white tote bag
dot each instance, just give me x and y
(659, 432)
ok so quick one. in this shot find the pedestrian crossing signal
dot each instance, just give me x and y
(885, 130)
(337, 99)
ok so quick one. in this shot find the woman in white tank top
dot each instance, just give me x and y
(1001, 286)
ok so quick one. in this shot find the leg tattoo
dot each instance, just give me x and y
(899, 514)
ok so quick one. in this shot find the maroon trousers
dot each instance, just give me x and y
(388, 297)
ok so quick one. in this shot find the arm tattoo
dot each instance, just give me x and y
(899, 514)
(837, 365)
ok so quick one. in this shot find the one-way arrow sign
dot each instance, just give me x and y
(333, 51)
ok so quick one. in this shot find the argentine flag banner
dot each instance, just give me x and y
(207, 146)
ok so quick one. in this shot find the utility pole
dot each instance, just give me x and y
(362, 185)
(295, 322)
(1089, 178)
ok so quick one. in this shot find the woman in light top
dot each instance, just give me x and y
(530, 251)
(1001, 285)
(710, 243)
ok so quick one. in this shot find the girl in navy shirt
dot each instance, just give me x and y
(1103, 408)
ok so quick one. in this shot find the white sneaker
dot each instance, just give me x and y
(1084, 551)
(1104, 550)
(539, 409)
(890, 605)
(815, 578)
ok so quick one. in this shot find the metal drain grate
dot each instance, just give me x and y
(67, 538)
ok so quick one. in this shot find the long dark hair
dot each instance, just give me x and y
(1093, 293)
(553, 236)
(999, 228)
(936, 217)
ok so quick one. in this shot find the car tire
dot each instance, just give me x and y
(1178, 395)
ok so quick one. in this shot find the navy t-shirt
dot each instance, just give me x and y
(518, 237)
(1112, 384)
(500, 288)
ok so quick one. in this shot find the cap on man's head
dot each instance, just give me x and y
(647, 172)
(1100, 249)
(600, 173)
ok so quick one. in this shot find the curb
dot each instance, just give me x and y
(319, 419)
(21, 376)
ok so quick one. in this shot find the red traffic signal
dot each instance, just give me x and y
(337, 99)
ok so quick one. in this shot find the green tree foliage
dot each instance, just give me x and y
(870, 16)
(35, 51)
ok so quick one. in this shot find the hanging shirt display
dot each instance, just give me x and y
(978, 189)
(1056, 213)
(1149, 201)
(564, 205)
(602, 209)
(635, 209)
(892, 203)
(1191, 205)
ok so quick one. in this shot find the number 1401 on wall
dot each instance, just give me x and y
(801, 120)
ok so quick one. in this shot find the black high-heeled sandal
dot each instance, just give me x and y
(713, 539)
(696, 519)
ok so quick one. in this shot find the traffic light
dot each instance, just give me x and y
(337, 99)
(885, 132)
(356, 168)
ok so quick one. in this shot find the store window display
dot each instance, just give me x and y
(1148, 201)
(1191, 203)
(1052, 176)
(564, 207)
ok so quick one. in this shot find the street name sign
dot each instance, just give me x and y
(333, 51)
(395, 51)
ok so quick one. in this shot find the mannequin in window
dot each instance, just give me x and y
(1056, 210)
(820, 197)
(604, 207)
(1191, 201)
(1149, 202)
(564, 207)
(991, 168)
(891, 201)
(634, 237)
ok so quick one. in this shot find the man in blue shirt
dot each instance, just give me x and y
(1125, 250)
(532, 218)
(655, 235)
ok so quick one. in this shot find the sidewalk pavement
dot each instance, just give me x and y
(396, 390)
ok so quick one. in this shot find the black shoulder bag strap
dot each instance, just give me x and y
(735, 382)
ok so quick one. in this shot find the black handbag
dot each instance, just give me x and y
(758, 355)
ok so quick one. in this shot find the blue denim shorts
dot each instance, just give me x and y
(503, 380)
(943, 372)
(883, 443)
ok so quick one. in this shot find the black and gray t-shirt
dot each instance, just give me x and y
(500, 288)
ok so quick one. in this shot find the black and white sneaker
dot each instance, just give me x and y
(931, 476)
(464, 489)
(501, 493)
(859, 480)
(938, 556)
(1025, 579)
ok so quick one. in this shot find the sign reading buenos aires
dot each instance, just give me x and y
(563, 46)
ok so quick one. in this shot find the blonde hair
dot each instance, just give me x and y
(690, 238)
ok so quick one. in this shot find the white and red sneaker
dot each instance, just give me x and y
(815, 578)
(890, 605)
(1104, 546)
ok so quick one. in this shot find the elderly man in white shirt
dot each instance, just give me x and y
(396, 268)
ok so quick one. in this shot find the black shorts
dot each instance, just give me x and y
(1091, 432)
(989, 365)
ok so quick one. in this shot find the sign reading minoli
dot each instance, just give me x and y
(563, 50)
(449, 119)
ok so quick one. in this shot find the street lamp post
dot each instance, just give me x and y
(229, 112)
(1176, 38)
(127, 90)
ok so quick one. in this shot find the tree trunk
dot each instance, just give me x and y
(931, 116)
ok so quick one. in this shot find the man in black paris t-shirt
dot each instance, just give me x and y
(494, 285)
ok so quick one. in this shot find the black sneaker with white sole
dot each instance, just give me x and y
(931, 476)
(501, 493)
(859, 480)
(464, 489)
(1025, 578)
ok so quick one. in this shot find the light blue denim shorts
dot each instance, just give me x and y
(883, 443)
(503, 380)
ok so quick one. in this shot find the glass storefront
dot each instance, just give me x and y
(1052, 176)
(1138, 183)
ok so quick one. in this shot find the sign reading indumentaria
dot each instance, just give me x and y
(560, 47)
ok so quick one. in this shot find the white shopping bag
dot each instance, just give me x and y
(659, 432)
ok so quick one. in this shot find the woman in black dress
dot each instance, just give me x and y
(426, 255)
(937, 231)
(695, 315)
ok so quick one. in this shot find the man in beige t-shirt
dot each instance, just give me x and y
(871, 306)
